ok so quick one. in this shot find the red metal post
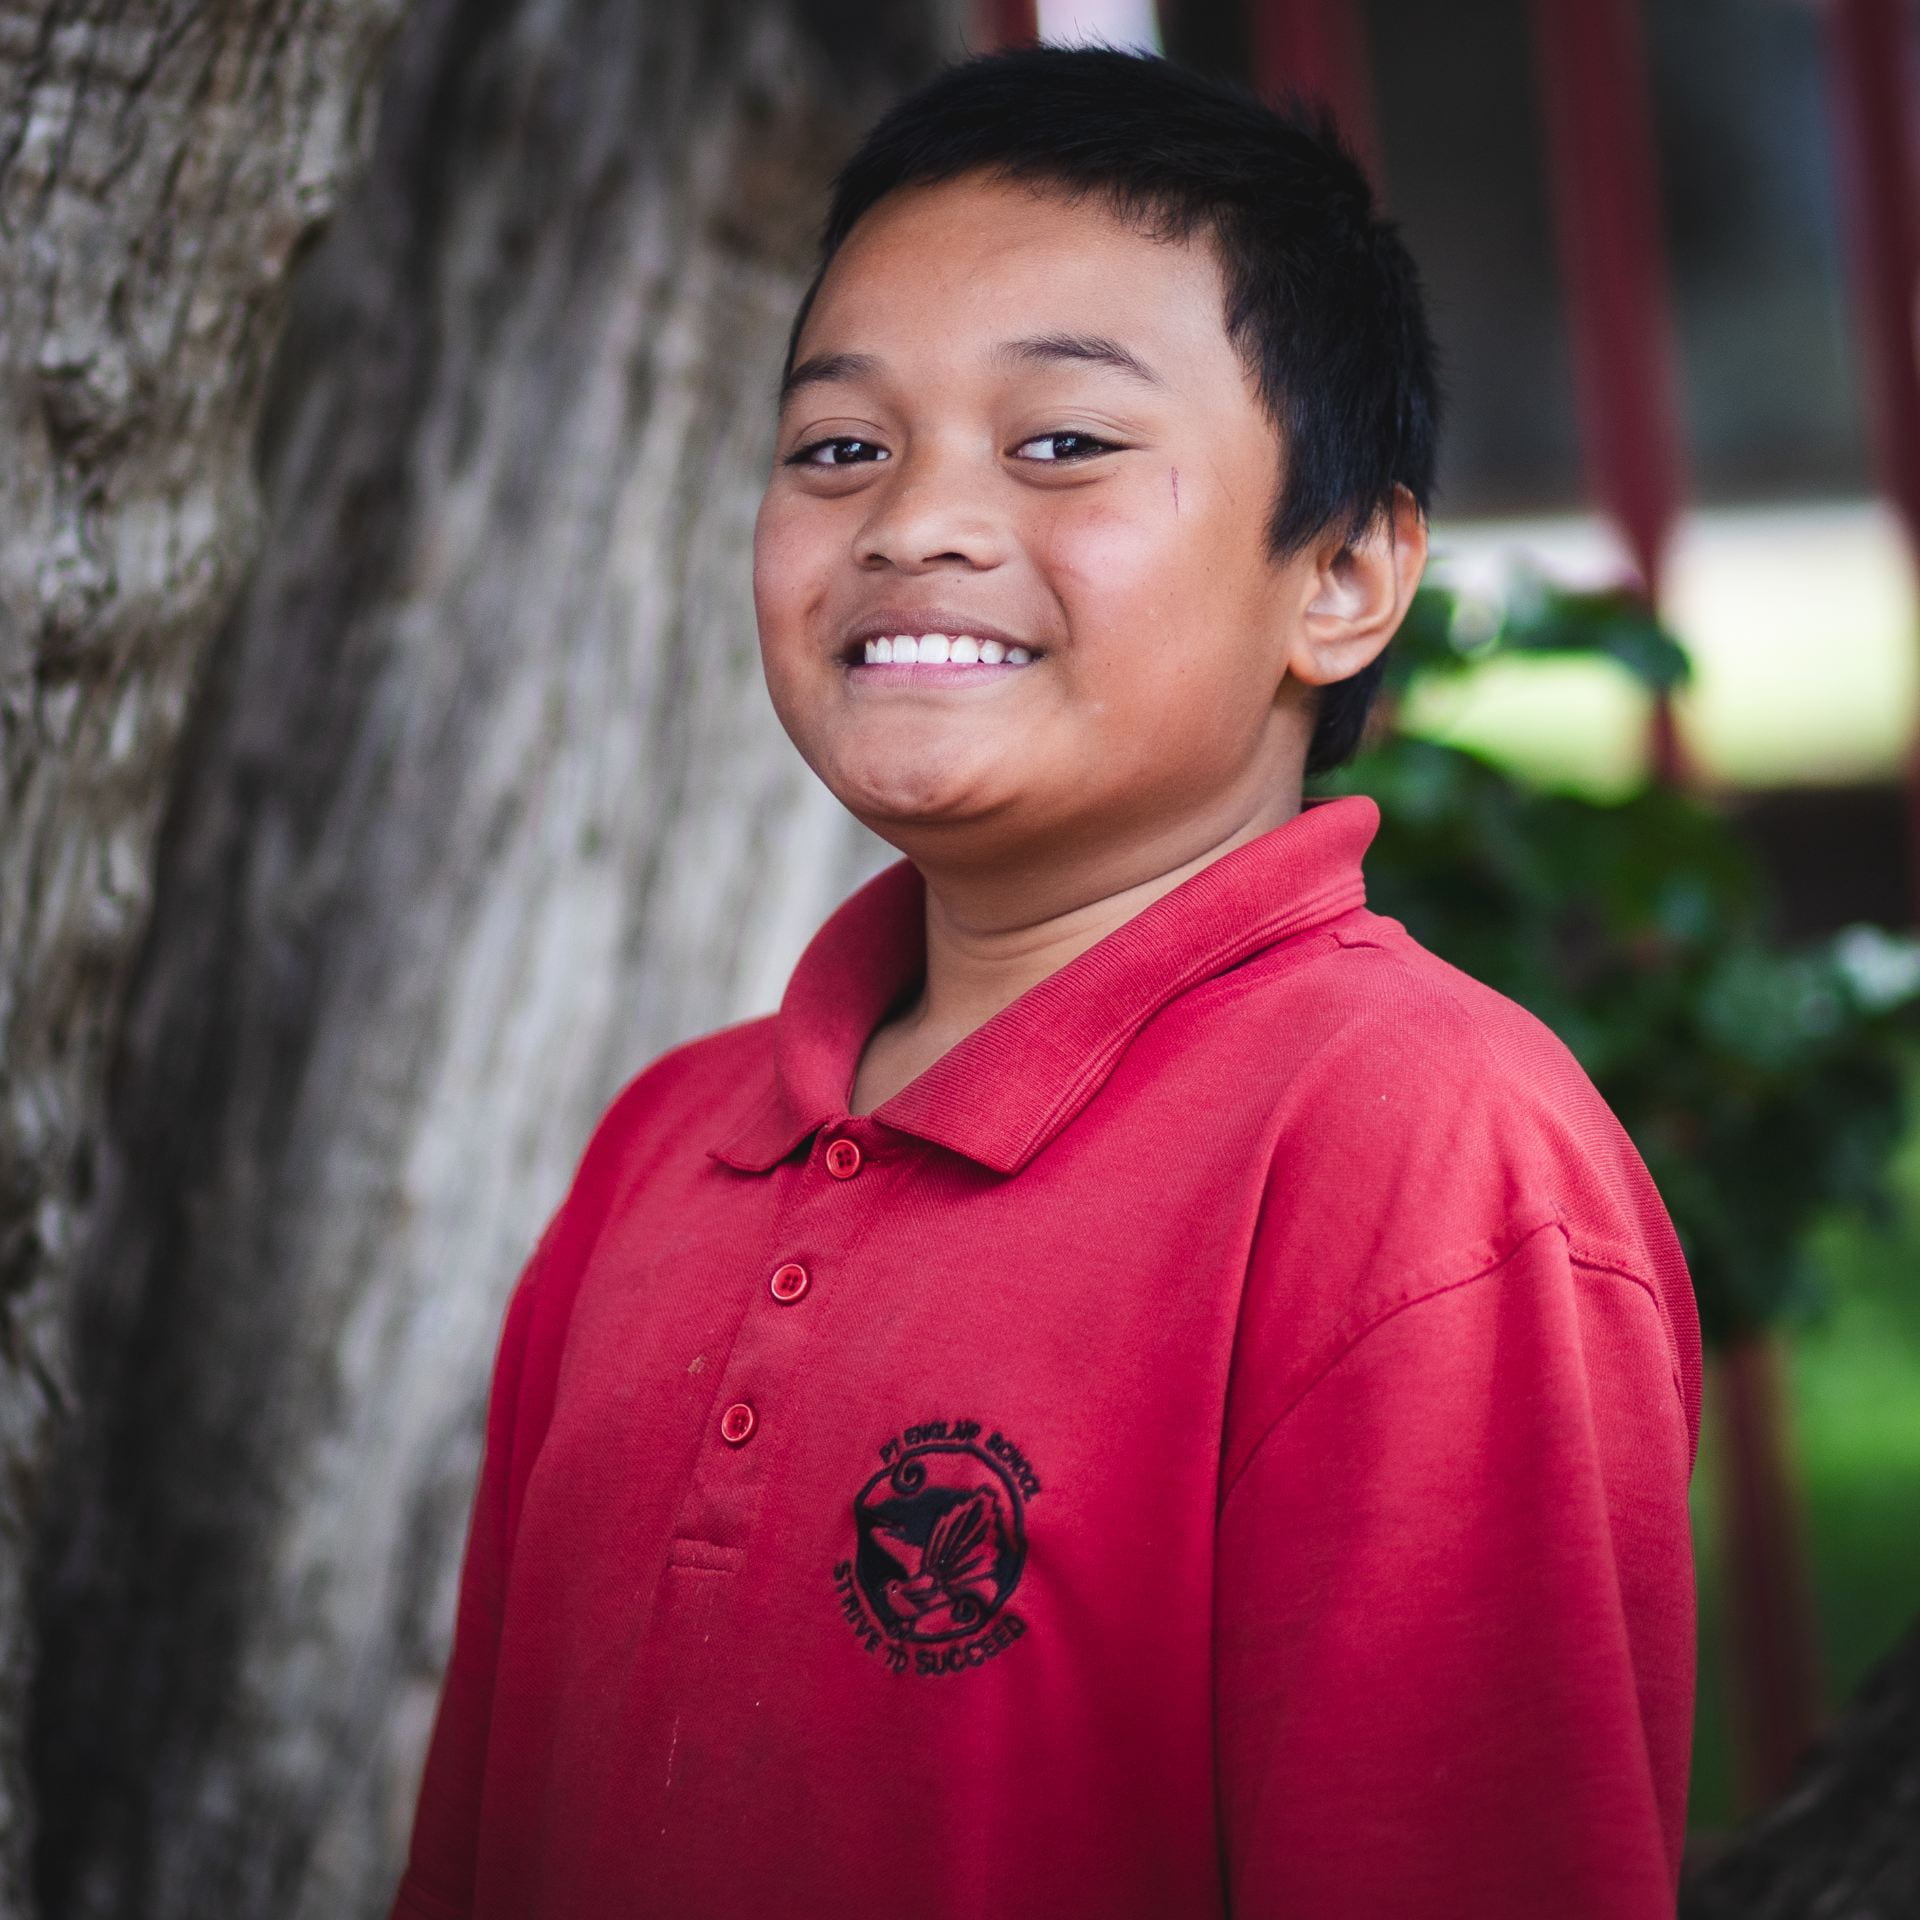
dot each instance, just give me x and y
(1870, 47)
(1599, 127)
(1871, 51)
(1772, 1646)
(1317, 49)
(1004, 23)
(1599, 124)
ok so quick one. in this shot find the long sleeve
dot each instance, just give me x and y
(438, 1884)
(1455, 1613)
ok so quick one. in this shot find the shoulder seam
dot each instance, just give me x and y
(1495, 1258)
(1421, 1295)
(1594, 1261)
(1587, 1261)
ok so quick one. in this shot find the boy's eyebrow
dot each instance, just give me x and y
(1094, 347)
(1037, 350)
(827, 366)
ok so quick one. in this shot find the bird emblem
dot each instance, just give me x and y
(955, 1570)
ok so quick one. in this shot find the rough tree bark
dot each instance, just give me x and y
(1844, 1842)
(484, 806)
(160, 165)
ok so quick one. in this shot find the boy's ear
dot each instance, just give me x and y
(1358, 592)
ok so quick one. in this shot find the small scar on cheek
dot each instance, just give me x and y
(1174, 475)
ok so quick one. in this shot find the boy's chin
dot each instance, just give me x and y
(905, 803)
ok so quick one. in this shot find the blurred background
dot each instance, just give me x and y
(388, 392)
(1670, 254)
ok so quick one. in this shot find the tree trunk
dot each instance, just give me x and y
(485, 806)
(160, 165)
(1844, 1842)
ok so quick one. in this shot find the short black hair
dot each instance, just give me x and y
(1322, 298)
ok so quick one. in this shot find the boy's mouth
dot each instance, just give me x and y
(937, 650)
(936, 638)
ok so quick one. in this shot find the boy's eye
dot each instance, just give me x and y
(841, 452)
(1062, 446)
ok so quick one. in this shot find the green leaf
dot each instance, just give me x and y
(1614, 624)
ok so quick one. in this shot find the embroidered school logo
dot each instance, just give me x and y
(940, 1541)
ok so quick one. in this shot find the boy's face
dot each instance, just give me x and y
(1017, 419)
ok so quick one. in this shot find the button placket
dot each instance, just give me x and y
(760, 1397)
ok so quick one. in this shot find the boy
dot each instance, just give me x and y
(1140, 1393)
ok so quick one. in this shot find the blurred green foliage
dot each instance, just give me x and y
(1764, 1086)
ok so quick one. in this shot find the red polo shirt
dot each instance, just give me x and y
(1217, 1441)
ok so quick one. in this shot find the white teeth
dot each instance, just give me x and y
(934, 649)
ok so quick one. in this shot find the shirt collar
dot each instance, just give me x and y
(1003, 1092)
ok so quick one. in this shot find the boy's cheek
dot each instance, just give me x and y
(1099, 550)
(804, 680)
(802, 705)
(793, 559)
(1124, 578)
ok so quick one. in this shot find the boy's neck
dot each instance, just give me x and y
(991, 938)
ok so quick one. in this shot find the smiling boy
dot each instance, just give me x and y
(1140, 1393)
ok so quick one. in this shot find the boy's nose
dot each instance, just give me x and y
(933, 517)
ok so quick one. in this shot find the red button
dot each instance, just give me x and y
(843, 1159)
(790, 1282)
(736, 1423)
